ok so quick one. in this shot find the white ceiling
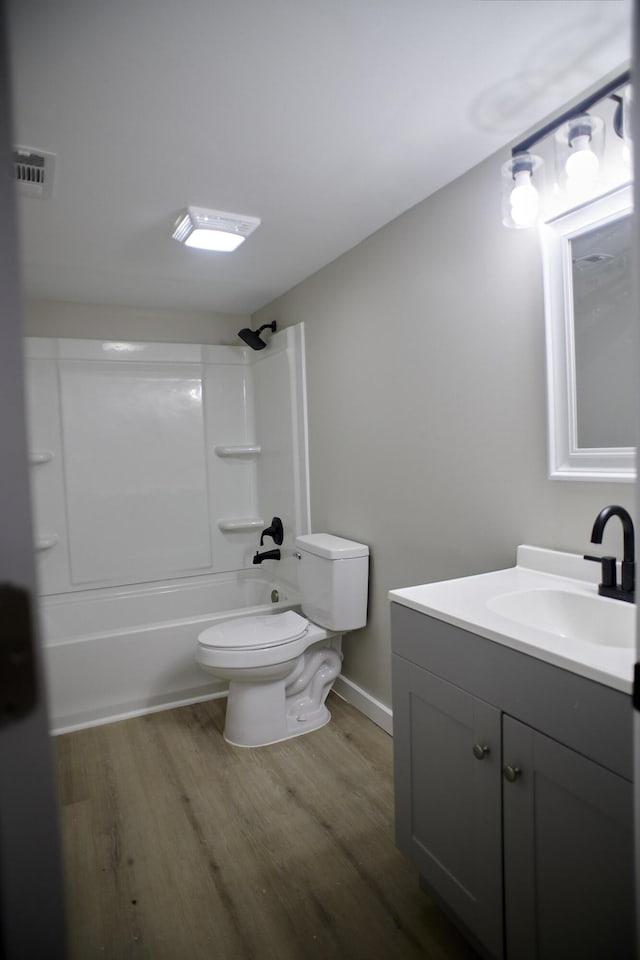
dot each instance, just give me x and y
(325, 118)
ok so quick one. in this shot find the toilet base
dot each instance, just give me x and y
(259, 714)
(294, 729)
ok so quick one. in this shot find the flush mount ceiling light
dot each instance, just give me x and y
(212, 229)
(579, 139)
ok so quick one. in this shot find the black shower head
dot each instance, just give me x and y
(252, 337)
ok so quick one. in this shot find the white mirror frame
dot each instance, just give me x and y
(566, 460)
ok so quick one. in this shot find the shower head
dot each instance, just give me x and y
(252, 337)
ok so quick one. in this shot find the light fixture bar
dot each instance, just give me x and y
(525, 145)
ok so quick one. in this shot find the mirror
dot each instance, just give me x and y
(586, 257)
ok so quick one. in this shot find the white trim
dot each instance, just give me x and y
(566, 460)
(135, 712)
(300, 411)
(380, 713)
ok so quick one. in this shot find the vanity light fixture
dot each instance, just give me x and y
(579, 148)
(579, 139)
(213, 229)
(520, 190)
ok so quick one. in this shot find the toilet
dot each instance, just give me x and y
(280, 667)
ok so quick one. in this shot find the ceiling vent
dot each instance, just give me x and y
(34, 172)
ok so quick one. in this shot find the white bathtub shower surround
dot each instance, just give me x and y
(281, 426)
(120, 652)
(135, 470)
(152, 476)
(154, 461)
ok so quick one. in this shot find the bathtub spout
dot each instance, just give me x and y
(267, 555)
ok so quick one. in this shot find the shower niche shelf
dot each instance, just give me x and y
(239, 450)
(240, 525)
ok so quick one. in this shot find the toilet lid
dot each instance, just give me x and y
(255, 633)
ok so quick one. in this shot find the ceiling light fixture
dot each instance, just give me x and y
(579, 139)
(212, 229)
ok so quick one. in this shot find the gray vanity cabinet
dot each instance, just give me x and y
(448, 819)
(568, 850)
(513, 794)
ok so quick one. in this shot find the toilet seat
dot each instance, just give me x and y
(255, 633)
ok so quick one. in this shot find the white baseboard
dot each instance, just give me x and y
(346, 689)
(128, 713)
(380, 713)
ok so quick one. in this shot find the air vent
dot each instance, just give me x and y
(34, 172)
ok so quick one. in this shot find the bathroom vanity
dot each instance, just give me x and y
(513, 763)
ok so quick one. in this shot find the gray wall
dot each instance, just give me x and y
(49, 318)
(427, 404)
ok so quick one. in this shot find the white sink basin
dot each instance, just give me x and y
(586, 618)
(547, 606)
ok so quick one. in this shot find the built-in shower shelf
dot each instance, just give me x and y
(239, 450)
(240, 524)
(45, 543)
(40, 456)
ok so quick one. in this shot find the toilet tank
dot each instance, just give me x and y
(333, 576)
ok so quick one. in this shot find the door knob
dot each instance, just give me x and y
(480, 751)
(512, 773)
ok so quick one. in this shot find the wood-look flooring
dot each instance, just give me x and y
(179, 846)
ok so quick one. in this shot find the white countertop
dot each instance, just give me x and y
(466, 603)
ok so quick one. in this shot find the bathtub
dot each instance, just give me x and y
(120, 652)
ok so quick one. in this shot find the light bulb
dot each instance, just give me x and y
(521, 201)
(524, 200)
(581, 166)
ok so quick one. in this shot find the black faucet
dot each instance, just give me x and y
(609, 586)
(267, 555)
(275, 530)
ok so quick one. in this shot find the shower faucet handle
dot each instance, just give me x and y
(275, 530)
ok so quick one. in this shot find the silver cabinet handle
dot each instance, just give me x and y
(512, 773)
(480, 751)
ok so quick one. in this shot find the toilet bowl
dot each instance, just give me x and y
(281, 667)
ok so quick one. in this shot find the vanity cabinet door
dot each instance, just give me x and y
(448, 817)
(568, 852)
